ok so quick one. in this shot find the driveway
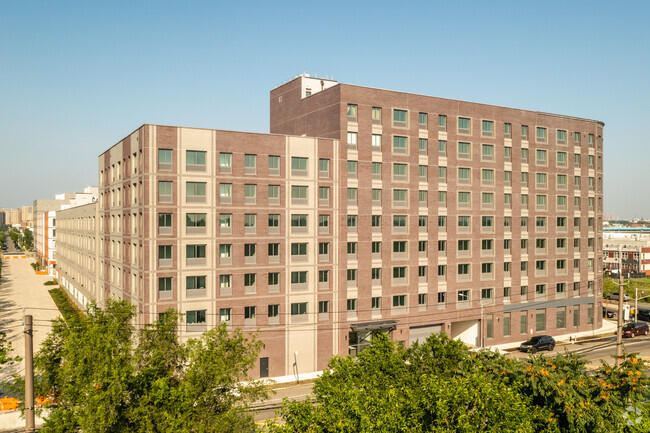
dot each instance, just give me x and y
(23, 292)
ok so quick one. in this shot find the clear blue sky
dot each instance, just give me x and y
(76, 77)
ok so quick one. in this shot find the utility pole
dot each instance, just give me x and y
(29, 375)
(619, 327)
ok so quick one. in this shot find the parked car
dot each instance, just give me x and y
(539, 342)
(643, 314)
(607, 313)
(614, 297)
(635, 328)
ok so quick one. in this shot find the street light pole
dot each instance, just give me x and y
(619, 320)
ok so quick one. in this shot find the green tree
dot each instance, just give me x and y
(14, 235)
(441, 386)
(28, 239)
(103, 376)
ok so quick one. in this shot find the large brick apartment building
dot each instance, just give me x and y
(363, 211)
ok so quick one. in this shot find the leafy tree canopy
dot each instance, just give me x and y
(441, 386)
(101, 375)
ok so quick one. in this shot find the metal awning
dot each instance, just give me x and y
(373, 326)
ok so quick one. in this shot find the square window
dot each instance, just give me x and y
(399, 118)
(487, 128)
(464, 150)
(464, 125)
(541, 134)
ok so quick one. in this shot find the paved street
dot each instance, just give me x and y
(21, 289)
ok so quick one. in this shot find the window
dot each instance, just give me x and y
(506, 292)
(523, 291)
(541, 202)
(442, 271)
(249, 250)
(298, 277)
(224, 281)
(299, 165)
(541, 134)
(422, 173)
(195, 191)
(591, 140)
(164, 159)
(441, 297)
(376, 274)
(464, 199)
(487, 200)
(422, 120)
(442, 174)
(164, 223)
(399, 118)
(463, 245)
(273, 250)
(561, 159)
(399, 272)
(250, 163)
(399, 246)
(195, 160)
(323, 194)
(274, 165)
(376, 303)
(524, 156)
(399, 171)
(442, 246)
(323, 307)
(225, 192)
(323, 276)
(524, 132)
(195, 251)
(250, 222)
(423, 197)
(225, 220)
(540, 265)
(486, 244)
(487, 128)
(352, 248)
(422, 246)
(352, 112)
(561, 136)
(225, 314)
(195, 282)
(464, 221)
(195, 316)
(352, 221)
(274, 310)
(524, 245)
(486, 268)
(164, 191)
(165, 284)
(323, 167)
(249, 280)
(250, 193)
(352, 140)
(399, 197)
(487, 177)
(464, 150)
(298, 220)
(352, 169)
(298, 193)
(540, 222)
(422, 221)
(352, 304)
(225, 250)
(463, 295)
(463, 269)
(540, 157)
(399, 144)
(442, 221)
(375, 247)
(541, 180)
(352, 275)
(442, 148)
(442, 197)
(376, 115)
(225, 161)
(464, 176)
(507, 130)
(507, 153)
(487, 221)
(399, 300)
(376, 142)
(486, 293)
(249, 313)
(423, 145)
(442, 122)
(464, 125)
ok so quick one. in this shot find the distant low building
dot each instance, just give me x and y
(633, 243)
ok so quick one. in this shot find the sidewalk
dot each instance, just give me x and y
(23, 292)
(607, 330)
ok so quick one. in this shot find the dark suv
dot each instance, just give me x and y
(635, 328)
(539, 342)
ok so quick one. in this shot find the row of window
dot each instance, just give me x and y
(250, 312)
(464, 126)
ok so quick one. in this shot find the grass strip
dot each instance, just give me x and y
(66, 306)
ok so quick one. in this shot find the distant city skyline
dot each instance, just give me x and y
(77, 75)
